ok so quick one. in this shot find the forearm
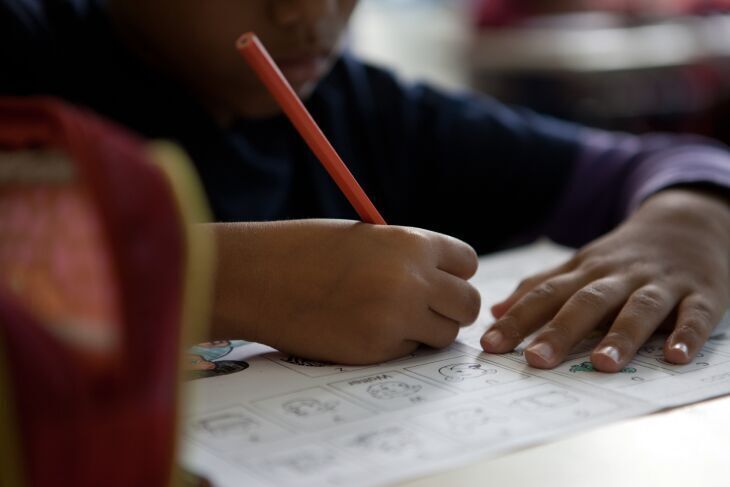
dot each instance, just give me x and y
(616, 173)
(240, 284)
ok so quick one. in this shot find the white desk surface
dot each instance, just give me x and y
(681, 447)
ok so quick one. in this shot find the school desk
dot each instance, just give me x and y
(685, 447)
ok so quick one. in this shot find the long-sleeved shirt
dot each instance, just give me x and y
(459, 163)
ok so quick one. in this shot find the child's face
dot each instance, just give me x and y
(195, 40)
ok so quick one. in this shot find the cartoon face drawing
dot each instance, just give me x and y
(546, 400)
(466, 419)
(228, 424)
(459, 372)
(392, 389)
(389, 440)
(304, 408)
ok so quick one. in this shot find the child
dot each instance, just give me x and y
(654, 207)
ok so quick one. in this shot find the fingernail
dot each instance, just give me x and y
(681, 348)
(542, 350)
(611, 353)
(493, 338)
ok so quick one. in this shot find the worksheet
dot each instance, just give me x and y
(258, 417)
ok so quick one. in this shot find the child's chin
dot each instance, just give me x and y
(306, 89)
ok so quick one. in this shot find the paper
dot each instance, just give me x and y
(285, 420)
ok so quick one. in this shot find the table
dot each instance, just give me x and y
(682, 447)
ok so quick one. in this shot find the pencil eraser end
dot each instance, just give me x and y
(245, 40)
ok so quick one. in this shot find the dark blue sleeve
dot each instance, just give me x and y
(26, 56)
(495, 175)
(45, 46)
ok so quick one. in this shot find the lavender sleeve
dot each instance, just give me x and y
(614, 173)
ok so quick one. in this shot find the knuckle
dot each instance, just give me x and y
(413, 239)
(583, 253)
(546, 290)
(701, 309)
(523, 283)
(592, 296)
(508, 326)
(473, 304)
(595, 267)
(560, 331)
(644, 271)
(698, 320)
(528, 282)
(712, 281)
(692, 329)
(648, 298)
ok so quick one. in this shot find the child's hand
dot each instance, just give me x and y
(342, 291)
(670, 262)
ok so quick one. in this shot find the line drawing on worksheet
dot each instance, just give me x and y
(390, 390)
(312, 408)
(233, 426)
(286, 420)
(466, 373)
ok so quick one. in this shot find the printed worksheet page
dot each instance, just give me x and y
(259, 417)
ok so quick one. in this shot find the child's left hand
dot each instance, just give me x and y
(668, 263)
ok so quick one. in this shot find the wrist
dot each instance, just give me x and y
(687, 208)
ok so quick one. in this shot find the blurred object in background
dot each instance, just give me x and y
(424, 40)
(493, 13)
(101, 277)
(638, 66)
(616, 64)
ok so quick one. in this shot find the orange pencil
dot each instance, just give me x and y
(250, 47)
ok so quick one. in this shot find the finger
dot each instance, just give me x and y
(499, 309)
(454, 298)
(696, 319)
(645, 310)
(584, 311)
(435, 330)
(535, 308)
(455, 256)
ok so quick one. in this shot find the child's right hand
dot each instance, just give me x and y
(342, 291)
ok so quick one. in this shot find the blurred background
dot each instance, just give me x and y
(633, 65)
